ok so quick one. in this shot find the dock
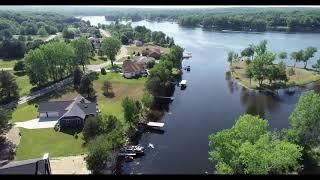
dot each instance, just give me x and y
(155, 124)
(166, 97)
(187, 55)
(126, 154)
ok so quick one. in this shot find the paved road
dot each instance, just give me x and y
(52, 37)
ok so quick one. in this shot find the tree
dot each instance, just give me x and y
(317, 65)
(230, 57)
(19, 66)
(92, 128)
(86, 86)
(5, 115)
(124, 39)
(42, 32)
(77, 76)
(305, 124)
(130, 111)
(248, 52)
(22, 38)
(9, 90)
(308, 53)
(147, 100)
(294, 56)
(111, 47)
(261, 48)
(103, 71)
(82, 48)
(249, 72)
(249, 148)
(67, 34)
(107, 89)
(29, 38)
(282, 55)
(100, 151)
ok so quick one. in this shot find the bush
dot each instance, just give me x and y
(103, 71)
(107, 89)
(76, 135)
(21, 38)
(291, 72)
(19, 66)
(134, 52)
(248, 62)
(29, 38)
(138, 54)
(150, 64)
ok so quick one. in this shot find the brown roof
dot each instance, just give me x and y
(130, 66)
(148, 51)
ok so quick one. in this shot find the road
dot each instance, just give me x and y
(52, 37)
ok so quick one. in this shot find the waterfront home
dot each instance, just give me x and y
(132, 69)
(155, 53)
(96, 43)
(143, 60)
(138, 43)
(68, 113)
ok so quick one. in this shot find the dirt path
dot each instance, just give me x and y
(69, 165)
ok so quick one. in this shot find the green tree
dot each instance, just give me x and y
(82, 48)
(248, 52)
(36, 68)
(111, 46)
(9, 90)
(282, 55)
(249, 72)
(22, 38)
(92, 128)
(86, 86)
(147, 100)
(317, 65)
(77, 76)
(5, 115)
(308, 53)
(42, 32)
(261, 48)
(305, 124)
(19, 66)
(249, 148)
(230, 57)
(107, 89)
(130, 111)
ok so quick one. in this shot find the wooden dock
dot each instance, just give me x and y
(166, 97)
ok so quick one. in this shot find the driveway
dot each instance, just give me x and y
(37, 123)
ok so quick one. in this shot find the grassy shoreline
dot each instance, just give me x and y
(301, 77)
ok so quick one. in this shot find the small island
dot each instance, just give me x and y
(255, 69)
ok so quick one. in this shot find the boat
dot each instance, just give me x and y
(133, 149)
(183, 83)
(155, 124)
(187, 68)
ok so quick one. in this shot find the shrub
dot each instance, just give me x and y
(56, 127)
(19, 66)
(138, 54)
(29, 38)
(76, 135)
(103, 71)
(134, 52)
(248, 61)
(291, 72)
(150, 64)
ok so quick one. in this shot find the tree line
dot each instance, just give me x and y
(260, 21)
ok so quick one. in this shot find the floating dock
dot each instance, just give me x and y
(155, 124)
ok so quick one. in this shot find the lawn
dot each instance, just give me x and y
(23, 84)
(136, 49)
(35, 142)
(7, 63)
(301, 76)
(97, 60)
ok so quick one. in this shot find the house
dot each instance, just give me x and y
(143, 60)
(155, 53)
(38, 166)
(69, 113)
(138, 43)
(132, 69)
(96, 43)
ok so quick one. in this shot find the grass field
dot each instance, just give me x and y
(35, 142)
(7, 63)
(24, 85)
(301, 76)
(136, 49)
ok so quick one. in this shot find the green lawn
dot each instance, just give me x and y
(24, 112)
(7, 63)
(35, 142)
(24, 85)
(96, 60)
(115, 77)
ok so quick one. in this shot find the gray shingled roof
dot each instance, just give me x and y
(79, 107)
(24, 167)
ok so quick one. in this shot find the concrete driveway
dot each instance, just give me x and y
(37, 123)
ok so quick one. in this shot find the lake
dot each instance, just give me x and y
(212, 101)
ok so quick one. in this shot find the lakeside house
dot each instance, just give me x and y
(155, 53)
(132, 69)
(69, 113)
(143, 60)
(138, 43)
(39, 166)
(96, 43)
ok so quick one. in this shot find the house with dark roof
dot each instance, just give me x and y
(155, 53)
(69, 113)
(40, 166)
(132, 69)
